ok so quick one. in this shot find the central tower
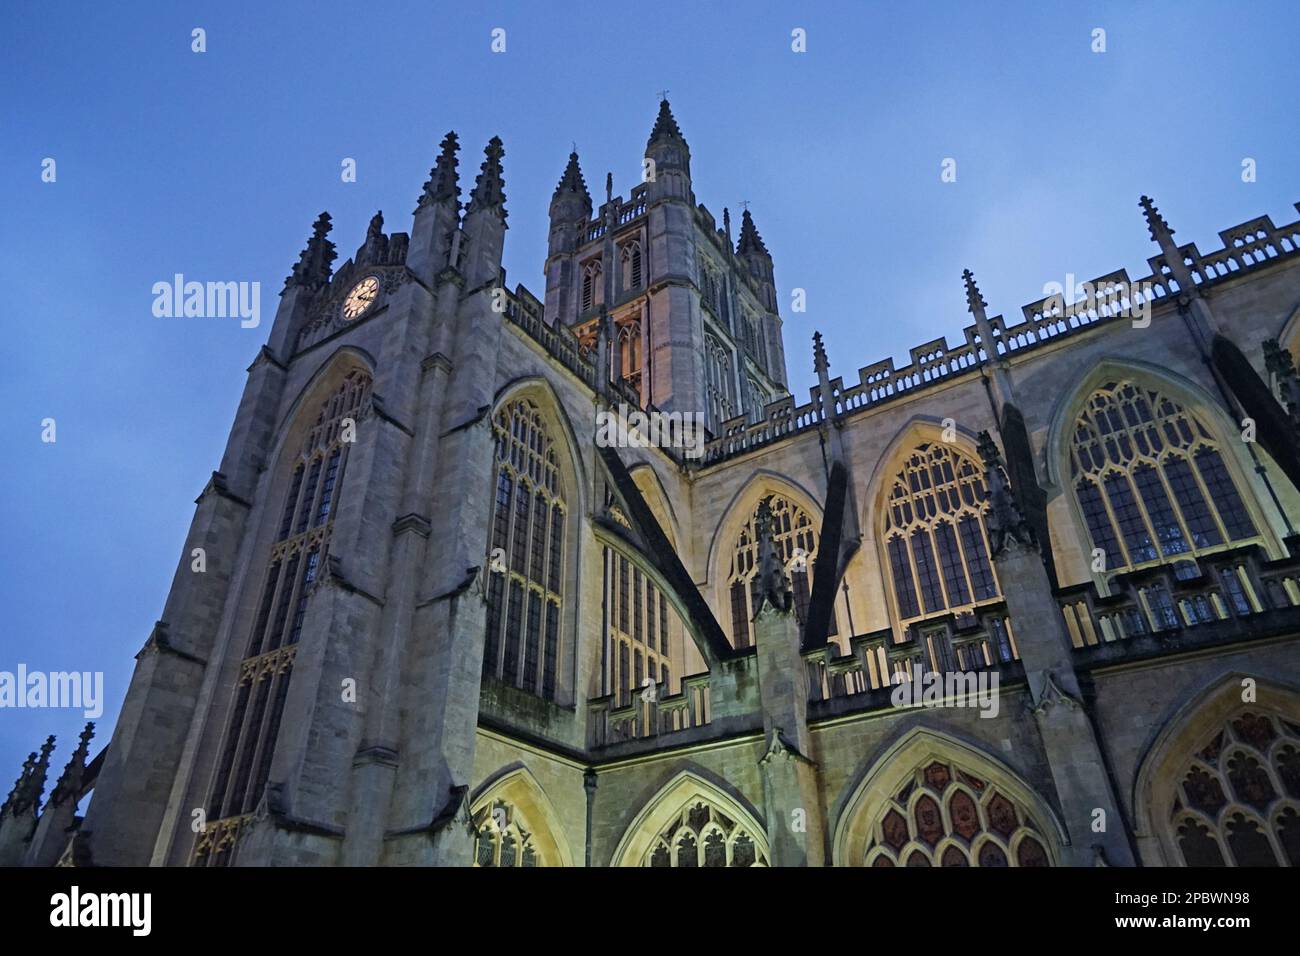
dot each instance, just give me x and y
(654, 285)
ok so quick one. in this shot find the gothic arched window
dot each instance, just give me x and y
(717, 382)
(629, 350)
(703, 836)
(1151, 482)
(944, 816)
(300, 549)
(1238, 797)
(501, 838)
(525, 554)
(795, 538)
(645, 635)
(710, 289)
(757, 401)
(593, 289)
(934, 534)
(630, 258)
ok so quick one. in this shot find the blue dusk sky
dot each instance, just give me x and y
(215, 164)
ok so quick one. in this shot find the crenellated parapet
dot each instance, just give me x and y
(1114, 297)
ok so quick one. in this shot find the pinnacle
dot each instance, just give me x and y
(750, 240)
(489, 186)
(666, 124)
(1155, 222)
(443, 180)
(974, 300)
(572, 180)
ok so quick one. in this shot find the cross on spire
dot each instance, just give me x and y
(663, 94)
(744, 204)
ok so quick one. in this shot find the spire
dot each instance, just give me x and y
(750, 240)
(572, 183)
(315, 264)
(444, 182)
(69, 785)
(1155, 222)
(489, 188)
(665, 127)
(974, 301)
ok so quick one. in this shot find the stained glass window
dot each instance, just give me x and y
(795, 538)
(934, 534)
(1151, 481)
(526, 554)
(315, 478)
(945, 816)
(1237, 797)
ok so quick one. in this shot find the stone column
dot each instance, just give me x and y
(1083, 784)
(795, 834)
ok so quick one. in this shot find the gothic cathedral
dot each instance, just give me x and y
(1031, 600)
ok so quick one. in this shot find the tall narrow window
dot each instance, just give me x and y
(306, 521)
(638, 627)
(717, 383)
(1151, 481)
(934, 534)
(795, 538)
(631, 262)
(629, 351)
(525, 554)
(593, 288)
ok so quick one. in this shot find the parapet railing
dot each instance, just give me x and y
(641, 716)
(975, 641)
(1230, 584)
(1247, 246)
(627, 211)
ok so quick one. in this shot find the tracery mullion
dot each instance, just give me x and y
(1204, 487)
(1175, 505)
(251, 726)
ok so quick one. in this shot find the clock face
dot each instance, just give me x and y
(361, 297)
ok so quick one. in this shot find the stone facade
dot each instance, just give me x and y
(440, 625)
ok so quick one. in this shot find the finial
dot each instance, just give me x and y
(443, 179)
(1155, 222)
(69, 783)
(315, 263)
(376, 227)
(609, 187)
(819, 354)
(572, 182)
(974, 301)
(750, 240)
(663, 96)
(665, 124)
(489, 187)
